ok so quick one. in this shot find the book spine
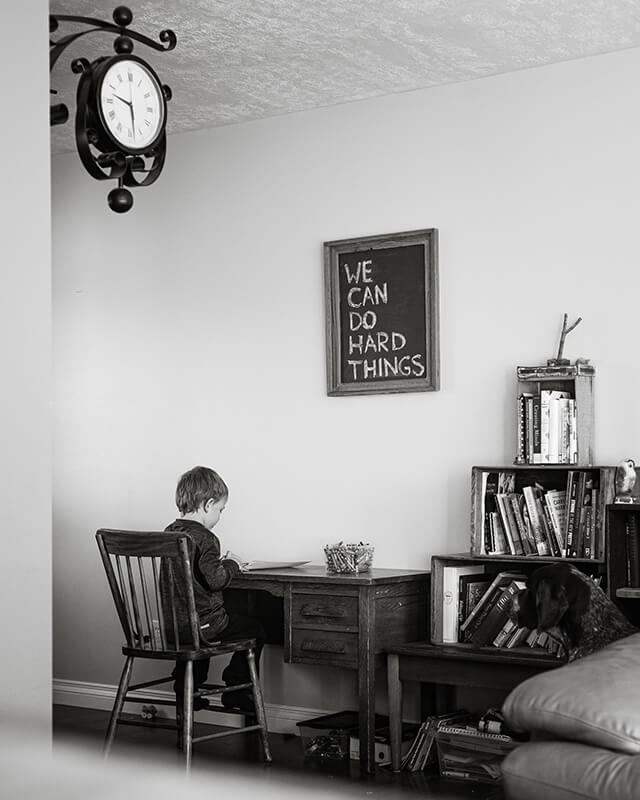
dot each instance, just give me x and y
(572, 488)
(633, 550)
(573, 434)
(504, 633)
(473, 733)
(564, 422)
(489, 499)
(471, 593)
(596, 543)
(518, 637)
(471, 625)
(536, 457)
(496, 615)
(574, 539)
(547, 525)
(545, 413)
(522, 427)
(554, 429)
(499, 539)
(529, 429)
(501, 502)
(555, 502)
(542, 545)
(521, 528)
(587, 519)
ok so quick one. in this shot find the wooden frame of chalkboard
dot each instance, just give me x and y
(382, 314)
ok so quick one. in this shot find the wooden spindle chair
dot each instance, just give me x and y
(150, 577)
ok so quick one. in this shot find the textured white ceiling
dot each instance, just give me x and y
(239, 60)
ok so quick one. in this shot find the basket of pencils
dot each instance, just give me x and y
(348, 558)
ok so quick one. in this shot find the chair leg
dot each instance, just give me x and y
(117, 706)
(259, 704)
(187, 714)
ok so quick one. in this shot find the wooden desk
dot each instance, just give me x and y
(481, 668)
(338, 621)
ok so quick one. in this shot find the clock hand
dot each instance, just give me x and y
(130, 104)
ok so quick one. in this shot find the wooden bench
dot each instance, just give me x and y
(446, 666)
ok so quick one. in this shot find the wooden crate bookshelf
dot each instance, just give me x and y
(549, 477)
(623, 578)
(459, 580)
(577, 381)
(491, 565)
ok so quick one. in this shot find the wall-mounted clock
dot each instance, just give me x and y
(121, 107)
(121, 115)
(130, 102)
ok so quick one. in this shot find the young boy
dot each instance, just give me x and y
(201, 496)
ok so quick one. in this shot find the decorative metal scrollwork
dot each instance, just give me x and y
(102, 158)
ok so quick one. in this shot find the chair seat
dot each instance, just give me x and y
(212, 649)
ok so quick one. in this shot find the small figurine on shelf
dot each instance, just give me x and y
(559, 361)
(625, 481)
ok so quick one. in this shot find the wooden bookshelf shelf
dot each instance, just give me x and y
(540, 532)
(623, 557)
(629, 592)
(555, 415)
(446, 610)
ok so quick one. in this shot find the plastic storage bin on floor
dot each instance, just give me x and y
(328, 736)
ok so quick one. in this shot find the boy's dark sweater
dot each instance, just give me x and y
(211, 575)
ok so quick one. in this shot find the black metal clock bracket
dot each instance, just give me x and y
(121, 106)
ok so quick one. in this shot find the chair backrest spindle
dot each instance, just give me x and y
(150, 578)
(191, 600)
(138, 632)
(158, 603)
(148, 616)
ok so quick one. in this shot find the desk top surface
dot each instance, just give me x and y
(318, 573)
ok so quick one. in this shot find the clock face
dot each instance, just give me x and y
(131, 103)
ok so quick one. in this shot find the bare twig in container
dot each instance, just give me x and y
(563, 335)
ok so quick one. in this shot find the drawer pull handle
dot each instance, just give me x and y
(312, 610)
(322, 646)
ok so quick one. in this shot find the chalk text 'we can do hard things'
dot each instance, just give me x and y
(373, 353)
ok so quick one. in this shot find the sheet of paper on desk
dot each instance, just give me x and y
(252, 565)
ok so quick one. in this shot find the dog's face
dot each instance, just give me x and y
(554, 597)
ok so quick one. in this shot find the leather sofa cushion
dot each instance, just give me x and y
(594, 700)
(569, 771)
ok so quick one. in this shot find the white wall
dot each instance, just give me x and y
(192, 329)
(25, 347)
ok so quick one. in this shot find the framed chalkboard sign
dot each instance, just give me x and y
(382, 313)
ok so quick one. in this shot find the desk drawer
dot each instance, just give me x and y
(321, 611)
(320, 647)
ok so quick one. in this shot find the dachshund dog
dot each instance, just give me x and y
(564, 601)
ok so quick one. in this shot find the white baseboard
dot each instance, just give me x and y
(280, 719)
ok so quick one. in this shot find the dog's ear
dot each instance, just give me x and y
(551, 603)
(579, 597)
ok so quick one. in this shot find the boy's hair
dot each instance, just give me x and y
(197, 486)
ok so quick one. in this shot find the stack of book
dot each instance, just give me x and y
(422, 750)
(466, 753)
(533, 520)
(490, 621)
(547, 428)
(478, 609)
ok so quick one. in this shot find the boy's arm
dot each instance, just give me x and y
(217, 572)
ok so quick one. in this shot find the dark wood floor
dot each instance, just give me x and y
(82, 730)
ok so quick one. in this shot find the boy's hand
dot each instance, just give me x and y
(229, 556)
